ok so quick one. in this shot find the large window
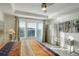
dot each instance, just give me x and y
(31, 28)
(22, 28)
(35, 30)
(39, 30)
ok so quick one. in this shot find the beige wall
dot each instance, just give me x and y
(1, 27)
(1, 31)
(8, 23)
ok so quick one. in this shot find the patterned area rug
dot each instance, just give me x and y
(10, 49)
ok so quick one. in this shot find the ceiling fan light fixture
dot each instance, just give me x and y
(44, 9)
(44, 6)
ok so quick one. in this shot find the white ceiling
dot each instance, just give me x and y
(33, 10)
(53, 10)
(31, 7)
(6, 7)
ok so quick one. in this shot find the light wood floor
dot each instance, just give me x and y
(25, 48)
(27, 51)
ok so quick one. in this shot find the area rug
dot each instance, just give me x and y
(10, 49)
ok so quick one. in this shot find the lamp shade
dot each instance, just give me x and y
(11, 31)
